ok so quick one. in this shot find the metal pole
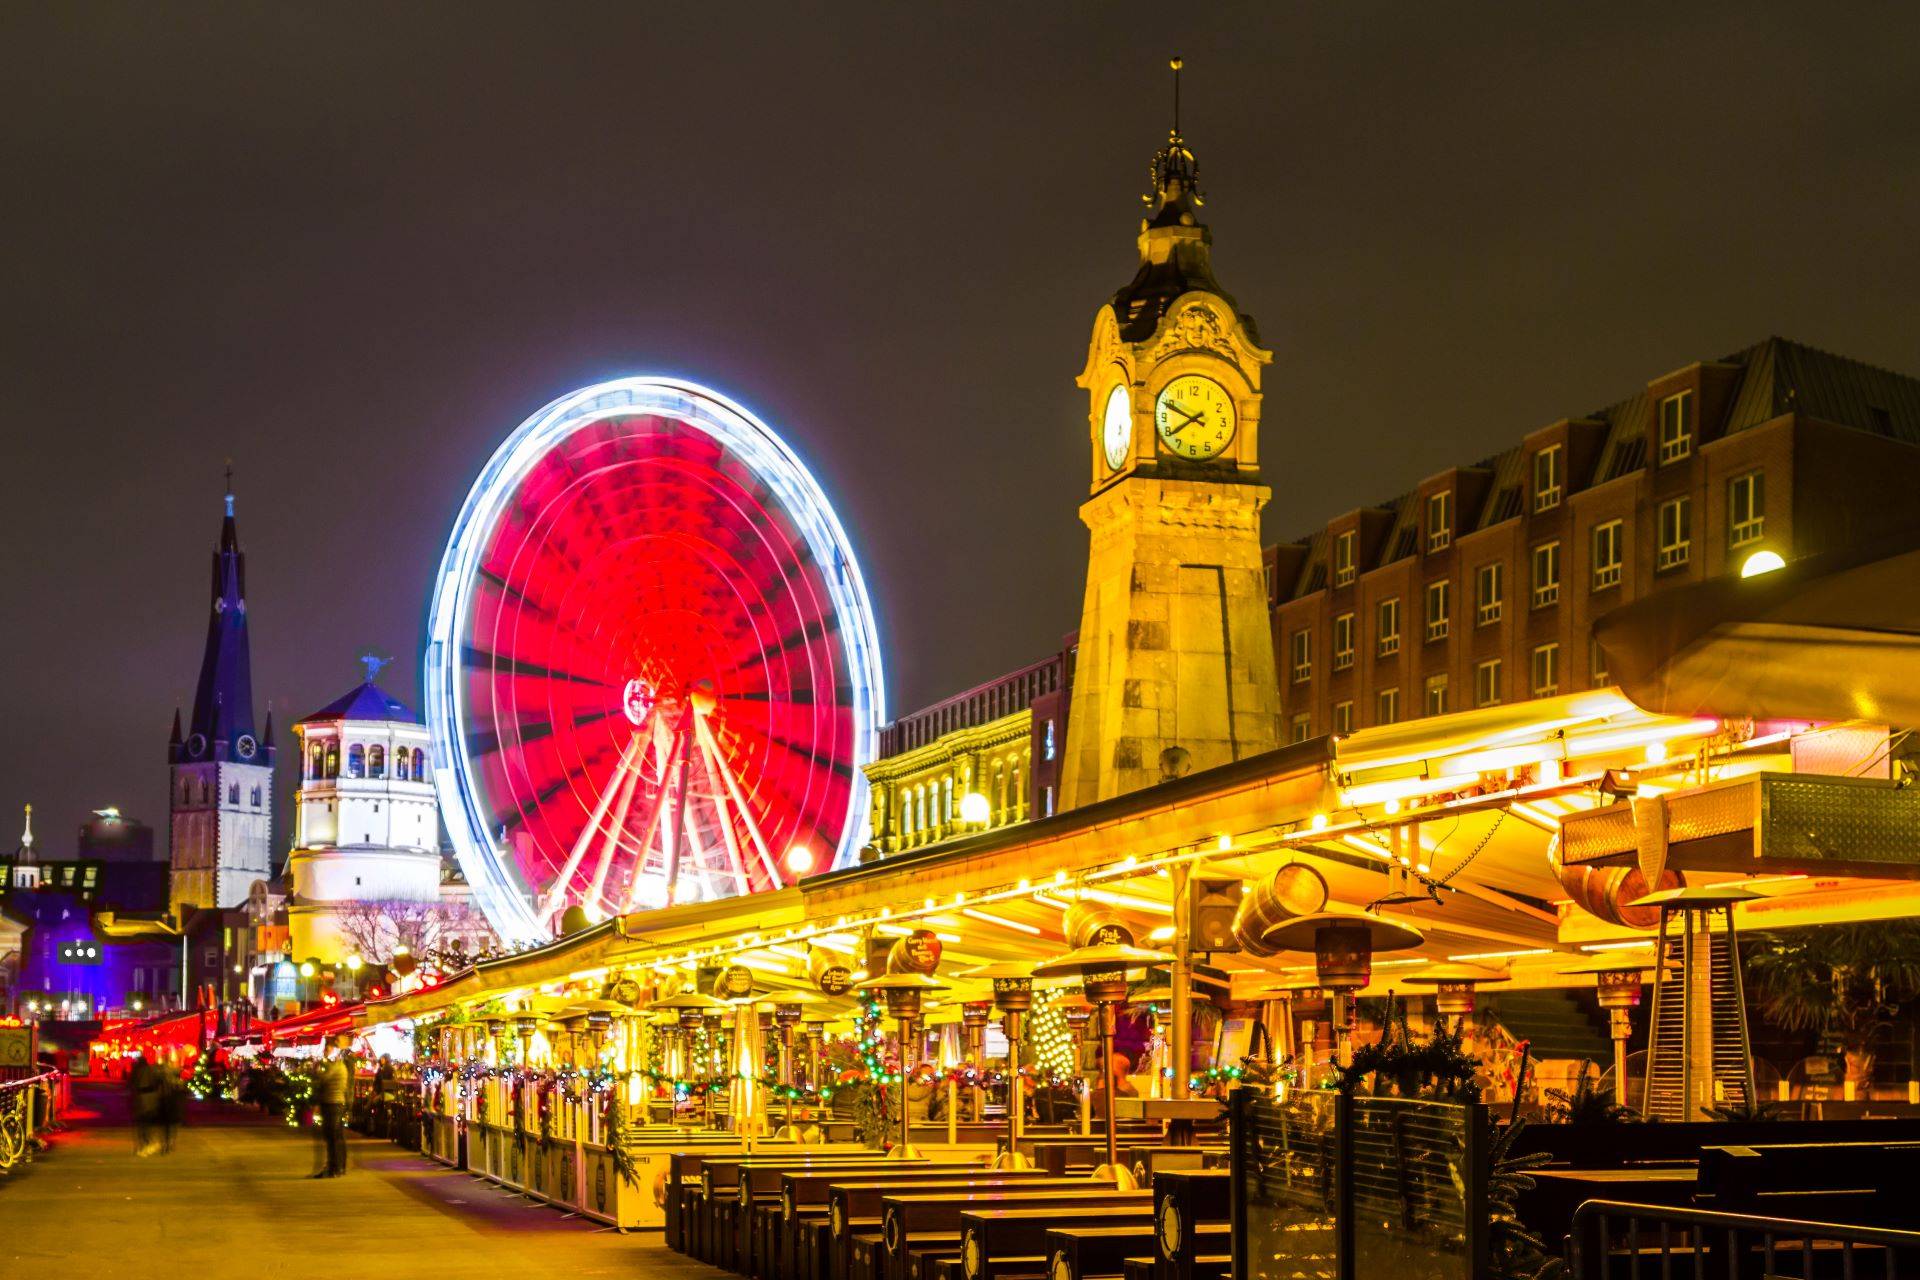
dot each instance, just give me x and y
(1106, 1086)
(1016, 1095)
(1182, 983)
(906, 1073)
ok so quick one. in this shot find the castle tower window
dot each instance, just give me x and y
(376, 761)
(400, 765)
(356, 761)
(333, 760)
(420, 763)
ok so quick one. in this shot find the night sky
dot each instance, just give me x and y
(351, 247)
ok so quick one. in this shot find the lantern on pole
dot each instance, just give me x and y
(1102, 970)
(902, 992)
(1013, 997)
(1617, 982)
(1343, 944)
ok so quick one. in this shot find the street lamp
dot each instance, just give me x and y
(975, 810)
(903, 992)
(1343, 944)
(1013, 997)
(1102, 971)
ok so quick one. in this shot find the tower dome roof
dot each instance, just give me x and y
(368, 701)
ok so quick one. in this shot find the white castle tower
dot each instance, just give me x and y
(367, 823)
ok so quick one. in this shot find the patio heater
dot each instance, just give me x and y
(1287, 1043)
(1343, 944)
(903, 992)
(690, 1011)
(1618, 980)
(1102, 971)
(788, 1008)
(1013, 997)
(1698, 1055)
(1453, 987)
(973, 1027)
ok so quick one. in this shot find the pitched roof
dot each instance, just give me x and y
(367, 702)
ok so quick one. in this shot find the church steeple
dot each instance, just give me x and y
(222, 723)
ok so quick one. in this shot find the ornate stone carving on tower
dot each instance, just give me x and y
(1175, 667)
(221, 802)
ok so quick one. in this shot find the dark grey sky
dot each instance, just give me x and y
(352, 246)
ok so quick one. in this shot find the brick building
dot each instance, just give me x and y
(1482, 583)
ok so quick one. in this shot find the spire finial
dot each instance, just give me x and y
(229, 476)
(373, 663)
(26, 836)
(1176, 64)
(1173, 195)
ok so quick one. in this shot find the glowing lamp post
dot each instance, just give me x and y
(1102, 971)
(1343, 946)
(975, 810)
(1617, 984)
(1453, 986)
(903, 992)
(1013, 997)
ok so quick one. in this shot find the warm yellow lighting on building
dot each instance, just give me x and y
(975, 809)
(1762, 562)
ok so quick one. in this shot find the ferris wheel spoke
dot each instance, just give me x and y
(610, 847)
(732, 787)
(476, 658)
(617, 786)
(728, 835)
(654, 820)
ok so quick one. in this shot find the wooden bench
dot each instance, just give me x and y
(997, 1244)
(916, 1221)
(725, 1211)
(1187, 1203)
(808, 1200)
(1864, 1182)
(781, 1197)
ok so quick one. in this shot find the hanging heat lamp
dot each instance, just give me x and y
(1102, 970)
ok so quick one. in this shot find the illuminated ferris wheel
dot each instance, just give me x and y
(652, 671)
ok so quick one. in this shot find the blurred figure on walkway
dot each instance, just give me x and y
(172, 1108)
(143, 1089)
(332, 1084)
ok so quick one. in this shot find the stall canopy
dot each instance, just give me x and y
(1829, 637)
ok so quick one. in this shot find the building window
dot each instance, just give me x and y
(1343, 717)
(1746, 509)
(1343, 547)
(1302, 728)
(1437, 694)
(256, 797)
(1440, 520)
(1546, 574)
(1546, 671)
(1597, 662)
(233, 794)
(1387, 706)
(400, 765)
(1439, 607)
(1606, 555)
(1387, 619)
(1676, 427)
(1489, 585)
(1302, 656)
(376, 761)
(1547, 477)
(1486, 683)
(1046, 800)
(1676, 533)
(1343, 642)
(420, 763)
(356, 761)
(1046, 750)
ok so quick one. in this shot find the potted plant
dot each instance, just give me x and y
(1846, 983)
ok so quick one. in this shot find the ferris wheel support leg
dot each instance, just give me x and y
(557, 893)
(679, 816)
(733, 789)
(724, 810)
(596, 893)
(653, 825)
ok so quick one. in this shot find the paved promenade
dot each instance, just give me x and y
(234, 1200)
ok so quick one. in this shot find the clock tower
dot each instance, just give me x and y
(1175, 670)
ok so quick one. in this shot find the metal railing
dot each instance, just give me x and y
(26, 1107)
(1612, 1240)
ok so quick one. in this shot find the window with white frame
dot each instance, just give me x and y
(1746, 509)
(1386, 706)
(1302, 728)
(1489, 586)
(1439, 608)
(1343, 642)
(1676, 533)
(1676, 427)
(1546, 670)
(1597, 663)
(1302, 655)
(1343, 552)
(1343, 717)
(1440, 520)
(1437, 694)
(1387, 626)
(1486, 683)
(1546, 574)
(1548, 477)
(1606, 555)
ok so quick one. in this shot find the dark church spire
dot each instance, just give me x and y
(222, 724)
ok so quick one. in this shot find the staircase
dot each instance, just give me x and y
(1554, 1020)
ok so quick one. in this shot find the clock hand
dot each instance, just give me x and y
(1191, 419)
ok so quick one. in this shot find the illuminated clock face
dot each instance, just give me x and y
(1194, 416)
(1117, 427)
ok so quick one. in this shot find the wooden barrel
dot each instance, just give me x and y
(1294, 890)
(1606, 892)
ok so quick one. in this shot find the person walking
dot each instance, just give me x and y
(143, 1088)
(172, 1108)
(331, 1086)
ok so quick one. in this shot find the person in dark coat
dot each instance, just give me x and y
(172, 1107)
(332, 1085)
(143, 1089)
